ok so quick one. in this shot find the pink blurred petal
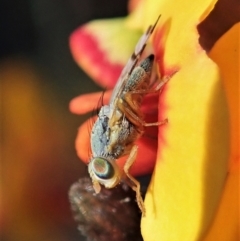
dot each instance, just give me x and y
(102, 48)
(89, 55)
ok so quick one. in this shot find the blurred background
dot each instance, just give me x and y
(38, 79)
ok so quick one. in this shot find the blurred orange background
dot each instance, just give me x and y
(38, 79)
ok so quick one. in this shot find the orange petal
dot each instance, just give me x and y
(225, 226)
(226, 54)
(86, 103)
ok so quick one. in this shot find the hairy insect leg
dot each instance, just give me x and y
(130, 108)
(136, 184)
(136, 120)
(159, 123)
(164, 81)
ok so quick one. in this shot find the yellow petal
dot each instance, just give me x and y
(192, 161)
(226, 54)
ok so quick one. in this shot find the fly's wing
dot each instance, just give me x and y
(127, 70)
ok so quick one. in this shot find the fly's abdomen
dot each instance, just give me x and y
(138, 84)
(140, 77)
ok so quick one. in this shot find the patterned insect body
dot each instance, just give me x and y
(135, 89)
(113, 139)
(121, 123)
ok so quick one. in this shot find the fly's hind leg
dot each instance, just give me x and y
(164, 81)
(130, 108)
(135, 119)
(135, 185)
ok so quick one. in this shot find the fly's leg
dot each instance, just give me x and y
(164, 81)
(129, 106)
(135, 119)
(159, 123)
(136, 184)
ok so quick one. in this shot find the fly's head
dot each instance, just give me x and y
(104, 171)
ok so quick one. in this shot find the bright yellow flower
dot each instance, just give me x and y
(193, 194)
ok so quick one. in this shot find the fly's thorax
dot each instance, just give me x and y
(115, 119)
(122, 137)
(116, 131)
(104, 171)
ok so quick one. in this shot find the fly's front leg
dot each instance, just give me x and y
(164, 81)
(135, 184)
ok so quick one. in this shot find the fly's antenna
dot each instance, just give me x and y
(91, 120)
(100, 102)
(90, 123)
(95, 111)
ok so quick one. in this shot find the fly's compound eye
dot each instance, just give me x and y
(102, 168)
(105, 172)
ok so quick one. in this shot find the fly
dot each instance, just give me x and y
(121, 123)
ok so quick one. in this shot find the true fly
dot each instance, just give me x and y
(121, 123)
